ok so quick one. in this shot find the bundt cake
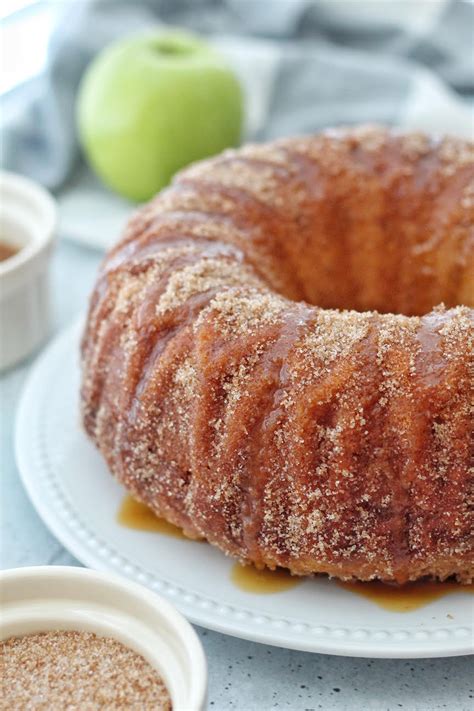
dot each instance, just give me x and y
(278, 355)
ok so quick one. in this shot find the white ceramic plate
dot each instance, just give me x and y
(78, 499)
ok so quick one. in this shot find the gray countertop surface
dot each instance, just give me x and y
(242, 675)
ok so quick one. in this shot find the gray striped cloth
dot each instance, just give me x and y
(304, 65)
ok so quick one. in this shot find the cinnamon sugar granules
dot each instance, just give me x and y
(55, 671)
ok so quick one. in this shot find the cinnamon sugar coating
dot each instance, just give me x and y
(279, 355)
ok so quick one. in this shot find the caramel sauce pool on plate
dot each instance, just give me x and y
(405, 598)
(247, 578)
(262, 582)
(134, 514)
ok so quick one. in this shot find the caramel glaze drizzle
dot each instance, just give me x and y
(273, 373)
(403, 598)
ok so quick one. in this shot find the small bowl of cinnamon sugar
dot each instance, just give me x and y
(78, 638)
(27, 230)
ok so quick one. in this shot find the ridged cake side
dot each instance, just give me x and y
(322, 440)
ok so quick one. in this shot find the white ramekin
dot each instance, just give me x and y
(65, 598)
(27, 221)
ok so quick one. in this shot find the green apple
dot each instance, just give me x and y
(152, 103)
